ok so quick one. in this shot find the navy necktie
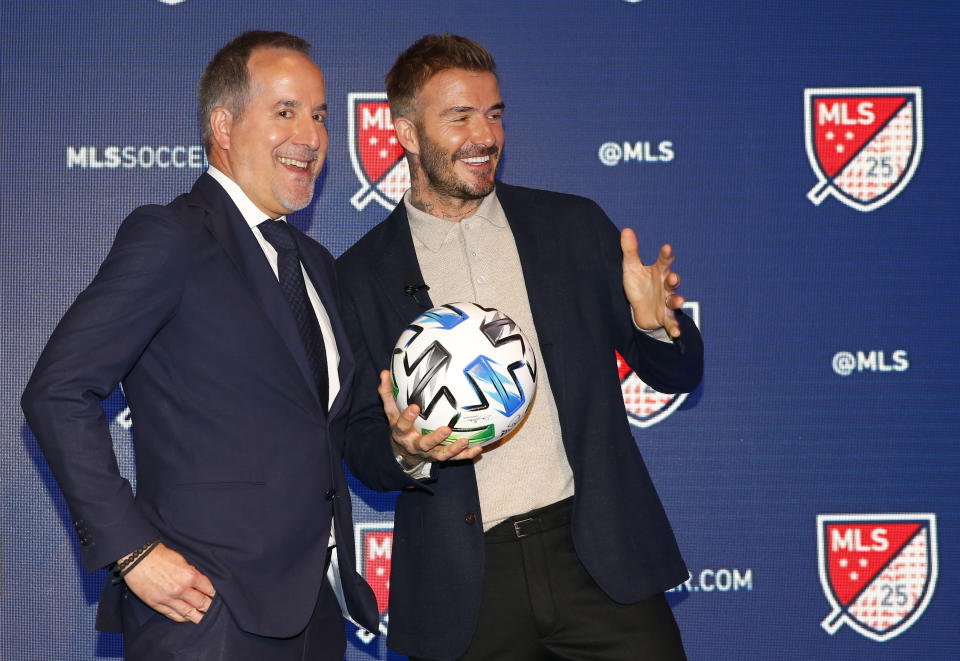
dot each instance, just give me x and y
(280, 236)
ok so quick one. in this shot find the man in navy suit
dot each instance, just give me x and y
(552, 543)
(222, 323)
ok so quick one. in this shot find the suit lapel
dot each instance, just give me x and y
(399, 268)
(227, 224)
(543, 274)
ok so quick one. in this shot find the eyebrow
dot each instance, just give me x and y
(291, 103)
(459, 109)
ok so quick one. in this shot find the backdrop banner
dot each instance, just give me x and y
(800, 157)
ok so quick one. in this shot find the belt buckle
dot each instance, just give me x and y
(518, 527)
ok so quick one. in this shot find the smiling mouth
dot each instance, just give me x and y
(291, 162)
(476, 160)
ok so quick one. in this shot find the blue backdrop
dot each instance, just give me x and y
(811, 479)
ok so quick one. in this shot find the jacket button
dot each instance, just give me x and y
(470, 518)
(331, 494)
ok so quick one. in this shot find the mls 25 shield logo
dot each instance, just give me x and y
(645, 406)
(878, 571)
(374, 552)
(863, 143)
(375, 152)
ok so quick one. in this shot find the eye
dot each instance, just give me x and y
(285, 113)
(317, 117)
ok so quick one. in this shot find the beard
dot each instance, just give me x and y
(438, 170)
(295, 198)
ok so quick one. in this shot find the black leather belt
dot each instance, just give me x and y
(536, 521)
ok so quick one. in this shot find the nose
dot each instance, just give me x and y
(483, 132)
(310, 133)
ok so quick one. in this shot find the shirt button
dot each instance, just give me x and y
(470, 518)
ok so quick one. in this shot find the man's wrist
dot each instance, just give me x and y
(122, 567)
(660, 333)
(408, 464)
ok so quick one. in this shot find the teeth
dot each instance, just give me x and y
(290, 161)
(476, 160)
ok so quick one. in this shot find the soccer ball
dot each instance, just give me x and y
(468, 367)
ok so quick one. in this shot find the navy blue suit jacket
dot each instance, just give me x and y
(570, 256)
(238, 466)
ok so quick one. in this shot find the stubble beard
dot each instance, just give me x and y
(295, 200)
(439, 174)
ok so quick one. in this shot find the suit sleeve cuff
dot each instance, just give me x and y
(659, 334)
(101, 546)
(420, 471)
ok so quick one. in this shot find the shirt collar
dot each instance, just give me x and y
(247, 208)
(432, 231)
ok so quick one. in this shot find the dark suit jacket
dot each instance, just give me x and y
(570, 256)
(238, 467)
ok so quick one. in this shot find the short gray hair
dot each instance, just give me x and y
(226, 80)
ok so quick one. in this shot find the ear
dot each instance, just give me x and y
(407, 134)
(221, 122)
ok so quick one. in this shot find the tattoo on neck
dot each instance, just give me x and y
(418, 202)
(446, 209)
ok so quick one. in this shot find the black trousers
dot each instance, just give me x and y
(540, 603)
(150, 636)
